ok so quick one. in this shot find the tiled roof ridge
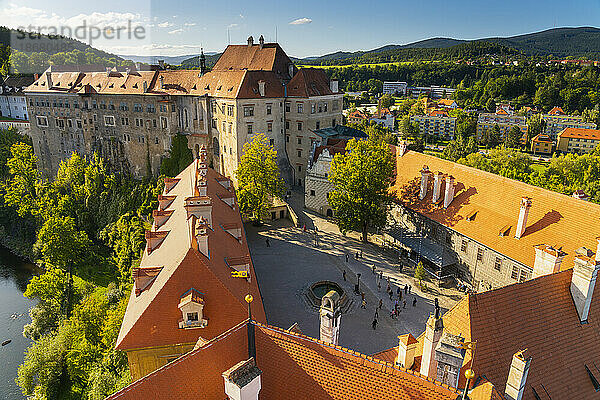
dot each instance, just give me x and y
(355, 354)
(185, 356)
(474, 170)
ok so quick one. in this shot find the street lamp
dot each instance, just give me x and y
(357, 287)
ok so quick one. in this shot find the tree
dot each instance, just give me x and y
(513, 137)
(459, 148)
(386, 101)
(535, 126)
(361, 177)
(258, 178)
(491, 137)
(420, 272)
(21, 187)
(180, 156)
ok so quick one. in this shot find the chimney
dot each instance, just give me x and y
(424, 180)
(583, 282)
(523, 214)
(261, 88)
(145, 86)
(162, 82)
(407, 344)
(449, 191)
(330, 315)
(49, 79)
(547, 260)
(161, 64)
(200, 207)
(242, 381)
(402, 148)
(449, 357)
(433, 333)
(127, 71)
(517, 376)
(291, 70)
(437, 186)
(201, 233)
(138, 66)
(108, 71)
(261, 41)
(334, 85)
(250, 41)
(201, 186)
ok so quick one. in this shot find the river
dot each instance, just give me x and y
(14, 314)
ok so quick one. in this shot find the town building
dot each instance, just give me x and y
(395, 88)
(542, 144)
(556, 121)
(434, 92)
(447, 103)
(356, 117)
(435, 123)
(545, 329)
(578, 140)
(448, 216)
(130, 116)
(385, 118)
(12, 97)
(194, 273)
(503, 119)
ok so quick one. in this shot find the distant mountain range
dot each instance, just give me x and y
(173, 60)
(560, 42)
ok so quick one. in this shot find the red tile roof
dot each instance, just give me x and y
(308, 82)
(151, 318)
(293, 366)
(554, 218)
(269, 57)
(580, 133)
(556, 111)
(539, 315)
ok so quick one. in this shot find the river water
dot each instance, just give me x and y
(14, 314)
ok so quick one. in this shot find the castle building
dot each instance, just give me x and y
(447, 215)
(130, 116)
(194, 273)
(12, 97)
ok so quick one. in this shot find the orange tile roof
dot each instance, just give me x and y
(446, 102)
(539, 315)
(554, 218)
(580, 133)
(438, 113)
(152, 316)
(270, 57)
(309, 82)
(542, 138)
(292, 365)
(556, 111)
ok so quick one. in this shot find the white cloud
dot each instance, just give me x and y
(176, 31)
(231, 26)
(189, 24)
(301, 21)
(165, 24)
(242, 16)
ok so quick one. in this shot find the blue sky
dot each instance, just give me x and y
(323, 26)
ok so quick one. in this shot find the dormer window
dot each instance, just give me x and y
(191, 306)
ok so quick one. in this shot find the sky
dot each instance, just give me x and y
(303, 28)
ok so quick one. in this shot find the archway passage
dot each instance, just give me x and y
(329, 212)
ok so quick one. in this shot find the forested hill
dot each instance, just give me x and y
(557, 42)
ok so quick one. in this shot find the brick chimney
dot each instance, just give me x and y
(261, 41)
(523, 214)
(334, 85)
(402, 148)
(261, 88)
(250, 41)
(547, 260)
(425, 173)
(329, 317)
(201, 233)
(517, 376)
(449, 196)
(449, 357)
(49, 79)
(242, 381)
(433, 333)
(407, 344)
(437, 187)
(583, 282)
(202, 186)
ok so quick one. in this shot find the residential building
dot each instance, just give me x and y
(542, 144)
(545, 329)
(503, 119)
(448, 216)
(434, 92)
(12, 97)
(578, 140)
(356, 117)
(395, 88)
(194, 273)
(447, 103)
(556, 121)
(130, 116)
(385, 118)
(435, 123)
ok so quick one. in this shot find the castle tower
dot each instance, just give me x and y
(330, 316)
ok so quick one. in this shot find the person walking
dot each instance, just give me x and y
(400, 295)
(374, 323)
(414, 301)
(380, 275)
(398, 290)
(389, 288)
(392, 313)
(344, 274)
(362, 295)
(379, 286)
(380, 303)
(404, 304)
(373, 269)
(376, 312)
(391, 295)
(268, 243)
(406, 289)
(363, 304)
(347, 257)
(409, 289)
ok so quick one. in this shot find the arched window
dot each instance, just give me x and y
(185, 118)
(216, 146)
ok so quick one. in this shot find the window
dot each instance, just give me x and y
(109, 120)
(324, 107)
(162, 107)
(463, 246)
(312, 192)
(498, 264)
(299, 125)
(515, 272)
(318, 125)
(224, 127)
(213, 107)
(78, 124)
(299, 153)
(69, 123)
(137, 107)
(248, 111)
(479, 254)
(299, 140)
(156, 141)
(123, 107)
(299, 168)
(249, 126)
(214, 123)
(192, 316)
(164, 123)
(150, 108)
(42, 121)
(523, 276)
(154, 123)
(333, 122)
(271, 142)
(287, 107)
(269, 127)
(287, 138)
(312, 108)
(230, 127)
(60, 123)
(448, 238)
(287, 124)
(334, 105)
(269, 107)
(230, 111)
(300, 108)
